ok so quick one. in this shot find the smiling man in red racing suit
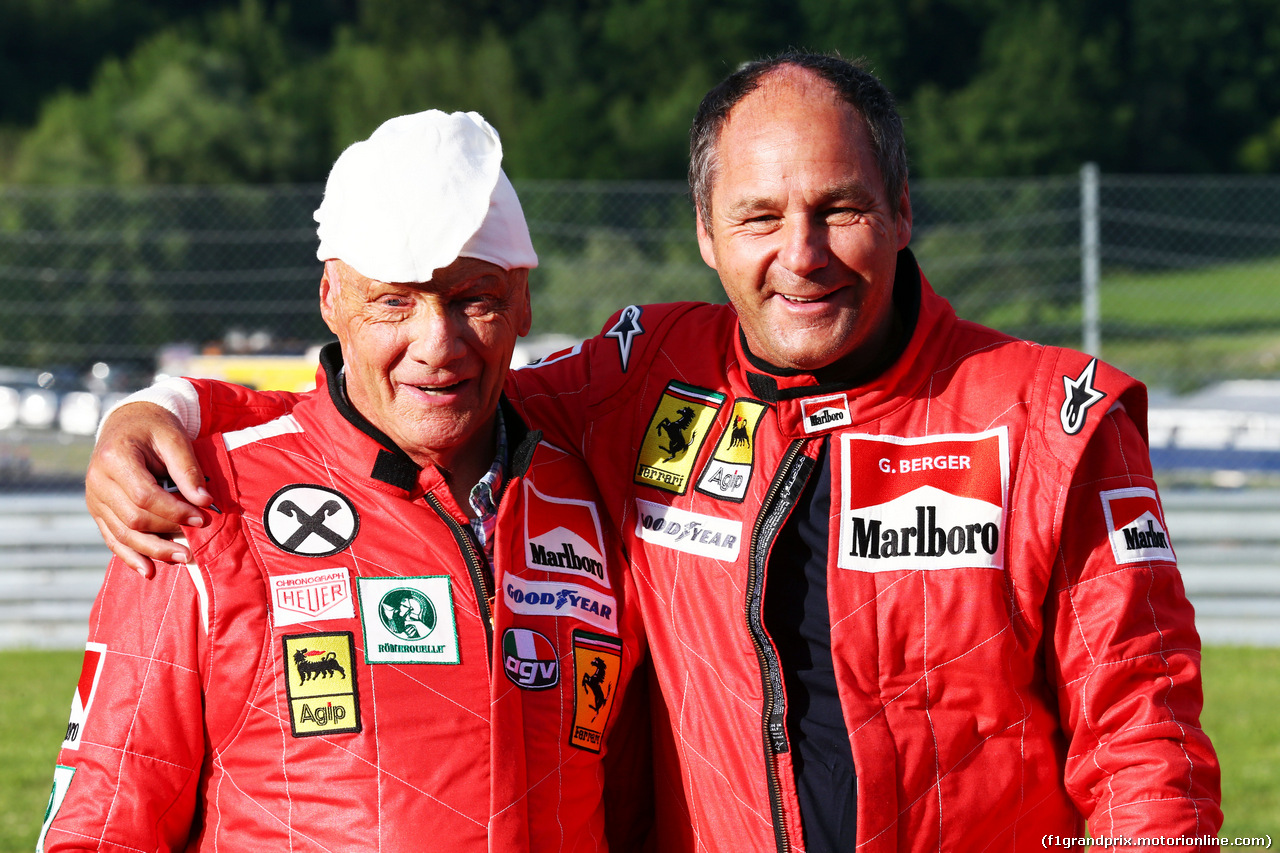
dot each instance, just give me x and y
(906, 580)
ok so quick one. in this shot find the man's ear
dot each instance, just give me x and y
(525, 306)
(904, 218)
(330, 284)
(705, 245)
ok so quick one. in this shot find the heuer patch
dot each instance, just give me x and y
(320, 682)
(563, 535)
(691, 532)
(310, 520)
(728, 473)
(1135, 525)
(597, 660)
(62, 776)
(625, 332)
(542, 598)
(820, 414)
(1080, 397)
(529, 659)
(936, 502)
(308, 596)
(408, 620)
(676, 432)
(95, 657)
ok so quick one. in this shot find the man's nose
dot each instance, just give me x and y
(436, 335)
(805, 245)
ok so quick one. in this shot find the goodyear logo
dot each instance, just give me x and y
(597, 660)
(691, 532)
(529, 659)
(320, 681)
(728, 473)
(541, 598)
(676, 433)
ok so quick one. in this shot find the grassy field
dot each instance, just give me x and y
(1242, 692)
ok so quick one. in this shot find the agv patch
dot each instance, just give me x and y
(529, 659)
(320, 683)
(1135, 525)
(95, 656)
(935, 502)
(676, 432)
(728, 473)
(408, 620)
(597, 660)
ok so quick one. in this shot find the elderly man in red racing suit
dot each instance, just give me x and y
(906, 580)
(352, 660)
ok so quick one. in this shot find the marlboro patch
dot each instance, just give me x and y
(728, 473)
(320, 680)
(676, 433)
(563, 535)
(823, 413)
(923, 503)
(596, 662)
(1135, 525)
(95, 655)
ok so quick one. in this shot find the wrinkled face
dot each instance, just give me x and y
(800, 230)
(425, 362)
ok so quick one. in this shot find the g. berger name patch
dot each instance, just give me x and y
(923, 503)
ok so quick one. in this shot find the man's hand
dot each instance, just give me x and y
(139, 444)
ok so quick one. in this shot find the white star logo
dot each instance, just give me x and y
(625, 330)
(1081, 395)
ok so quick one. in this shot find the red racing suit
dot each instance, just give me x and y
(1014, 651)
(337, 670)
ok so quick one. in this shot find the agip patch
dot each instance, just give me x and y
(676, 432)
(563, 535)
(597, 660)
(935, 502)
(1135, 525)
(728, 473)
(320, 682)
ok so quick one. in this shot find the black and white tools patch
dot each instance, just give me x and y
(310, 521)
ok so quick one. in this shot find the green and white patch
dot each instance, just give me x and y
(408, 620)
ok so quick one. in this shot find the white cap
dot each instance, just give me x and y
(421, 192)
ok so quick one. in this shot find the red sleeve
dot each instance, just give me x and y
(129, 771)
(1127, 654)
(226, 407)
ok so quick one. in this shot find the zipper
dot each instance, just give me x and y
(785, 489)
(475, 565)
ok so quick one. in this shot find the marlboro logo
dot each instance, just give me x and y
(1135, 525)
(824, 413)
(923, 503)
(563, 535)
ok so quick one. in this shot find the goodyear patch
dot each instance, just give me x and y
(676, 432)
(529, 659)
(61, 784)
(320, 681)
(597, 660)
(543, 598)
(1135, 525)
(691, 532)
(408, 620)
(728, 473)
(95, 655)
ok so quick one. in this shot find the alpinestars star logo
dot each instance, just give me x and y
(1081, 395)
(625, 331)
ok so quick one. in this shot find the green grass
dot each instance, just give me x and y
(1242, 693)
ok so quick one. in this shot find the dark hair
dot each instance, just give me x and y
(851, 81)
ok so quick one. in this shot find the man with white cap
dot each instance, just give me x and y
(403, 624)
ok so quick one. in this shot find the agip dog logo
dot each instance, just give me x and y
(728, 473)
(563, 535)
(320, 683)
(676, 432)
(936, 502)
(1135, 525)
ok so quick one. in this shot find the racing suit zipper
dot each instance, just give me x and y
(475, 566)
(785, 489)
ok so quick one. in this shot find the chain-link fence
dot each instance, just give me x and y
(1172, 279)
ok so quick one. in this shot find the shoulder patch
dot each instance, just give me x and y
(307, 596)
(529, 659)
(676, 432)
(310, 520)
(563, 535)
(95, 656)
(728, 473)
(625, 331)
(320, 682)
(1080, 397)
(1135, 525)
(596, 661)
(408, 619)
(61, 784)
